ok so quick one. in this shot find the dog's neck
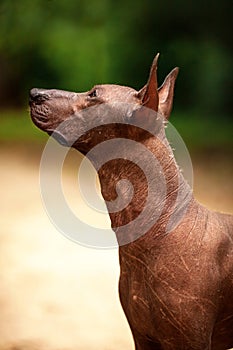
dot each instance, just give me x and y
(143, 187)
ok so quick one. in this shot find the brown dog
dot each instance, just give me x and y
(176, 274)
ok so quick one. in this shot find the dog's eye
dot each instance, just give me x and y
(93, 93)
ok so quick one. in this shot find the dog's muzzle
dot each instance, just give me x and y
(37, 96)
(38, 108)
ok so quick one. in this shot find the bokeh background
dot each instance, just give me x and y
(55, 294)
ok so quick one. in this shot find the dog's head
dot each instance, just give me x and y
(82, 120)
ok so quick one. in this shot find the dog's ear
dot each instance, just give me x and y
(166, 93)
(149, 94)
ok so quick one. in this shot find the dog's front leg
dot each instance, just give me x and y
(142, 343)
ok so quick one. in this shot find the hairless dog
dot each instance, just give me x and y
(176, 263)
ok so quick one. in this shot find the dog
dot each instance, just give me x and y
(176, 262)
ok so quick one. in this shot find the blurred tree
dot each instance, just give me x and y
(74, 44)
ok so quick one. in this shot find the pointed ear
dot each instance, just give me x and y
(166, 93)
(148, 94)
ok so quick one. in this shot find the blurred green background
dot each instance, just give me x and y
(74, 44)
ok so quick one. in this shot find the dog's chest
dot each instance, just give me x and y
(135, 295)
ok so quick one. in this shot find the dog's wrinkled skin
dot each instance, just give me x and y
(176, 288)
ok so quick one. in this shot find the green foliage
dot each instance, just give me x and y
(74, 44)
(200, 133)
(16, 126)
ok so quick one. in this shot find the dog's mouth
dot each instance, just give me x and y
(38, 109)
(42, 122)
(39, 113)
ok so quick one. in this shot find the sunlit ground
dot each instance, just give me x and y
(55, 294)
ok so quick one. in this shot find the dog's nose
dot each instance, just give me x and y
(38, 95)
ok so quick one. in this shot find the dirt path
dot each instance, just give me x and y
(55, 294)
